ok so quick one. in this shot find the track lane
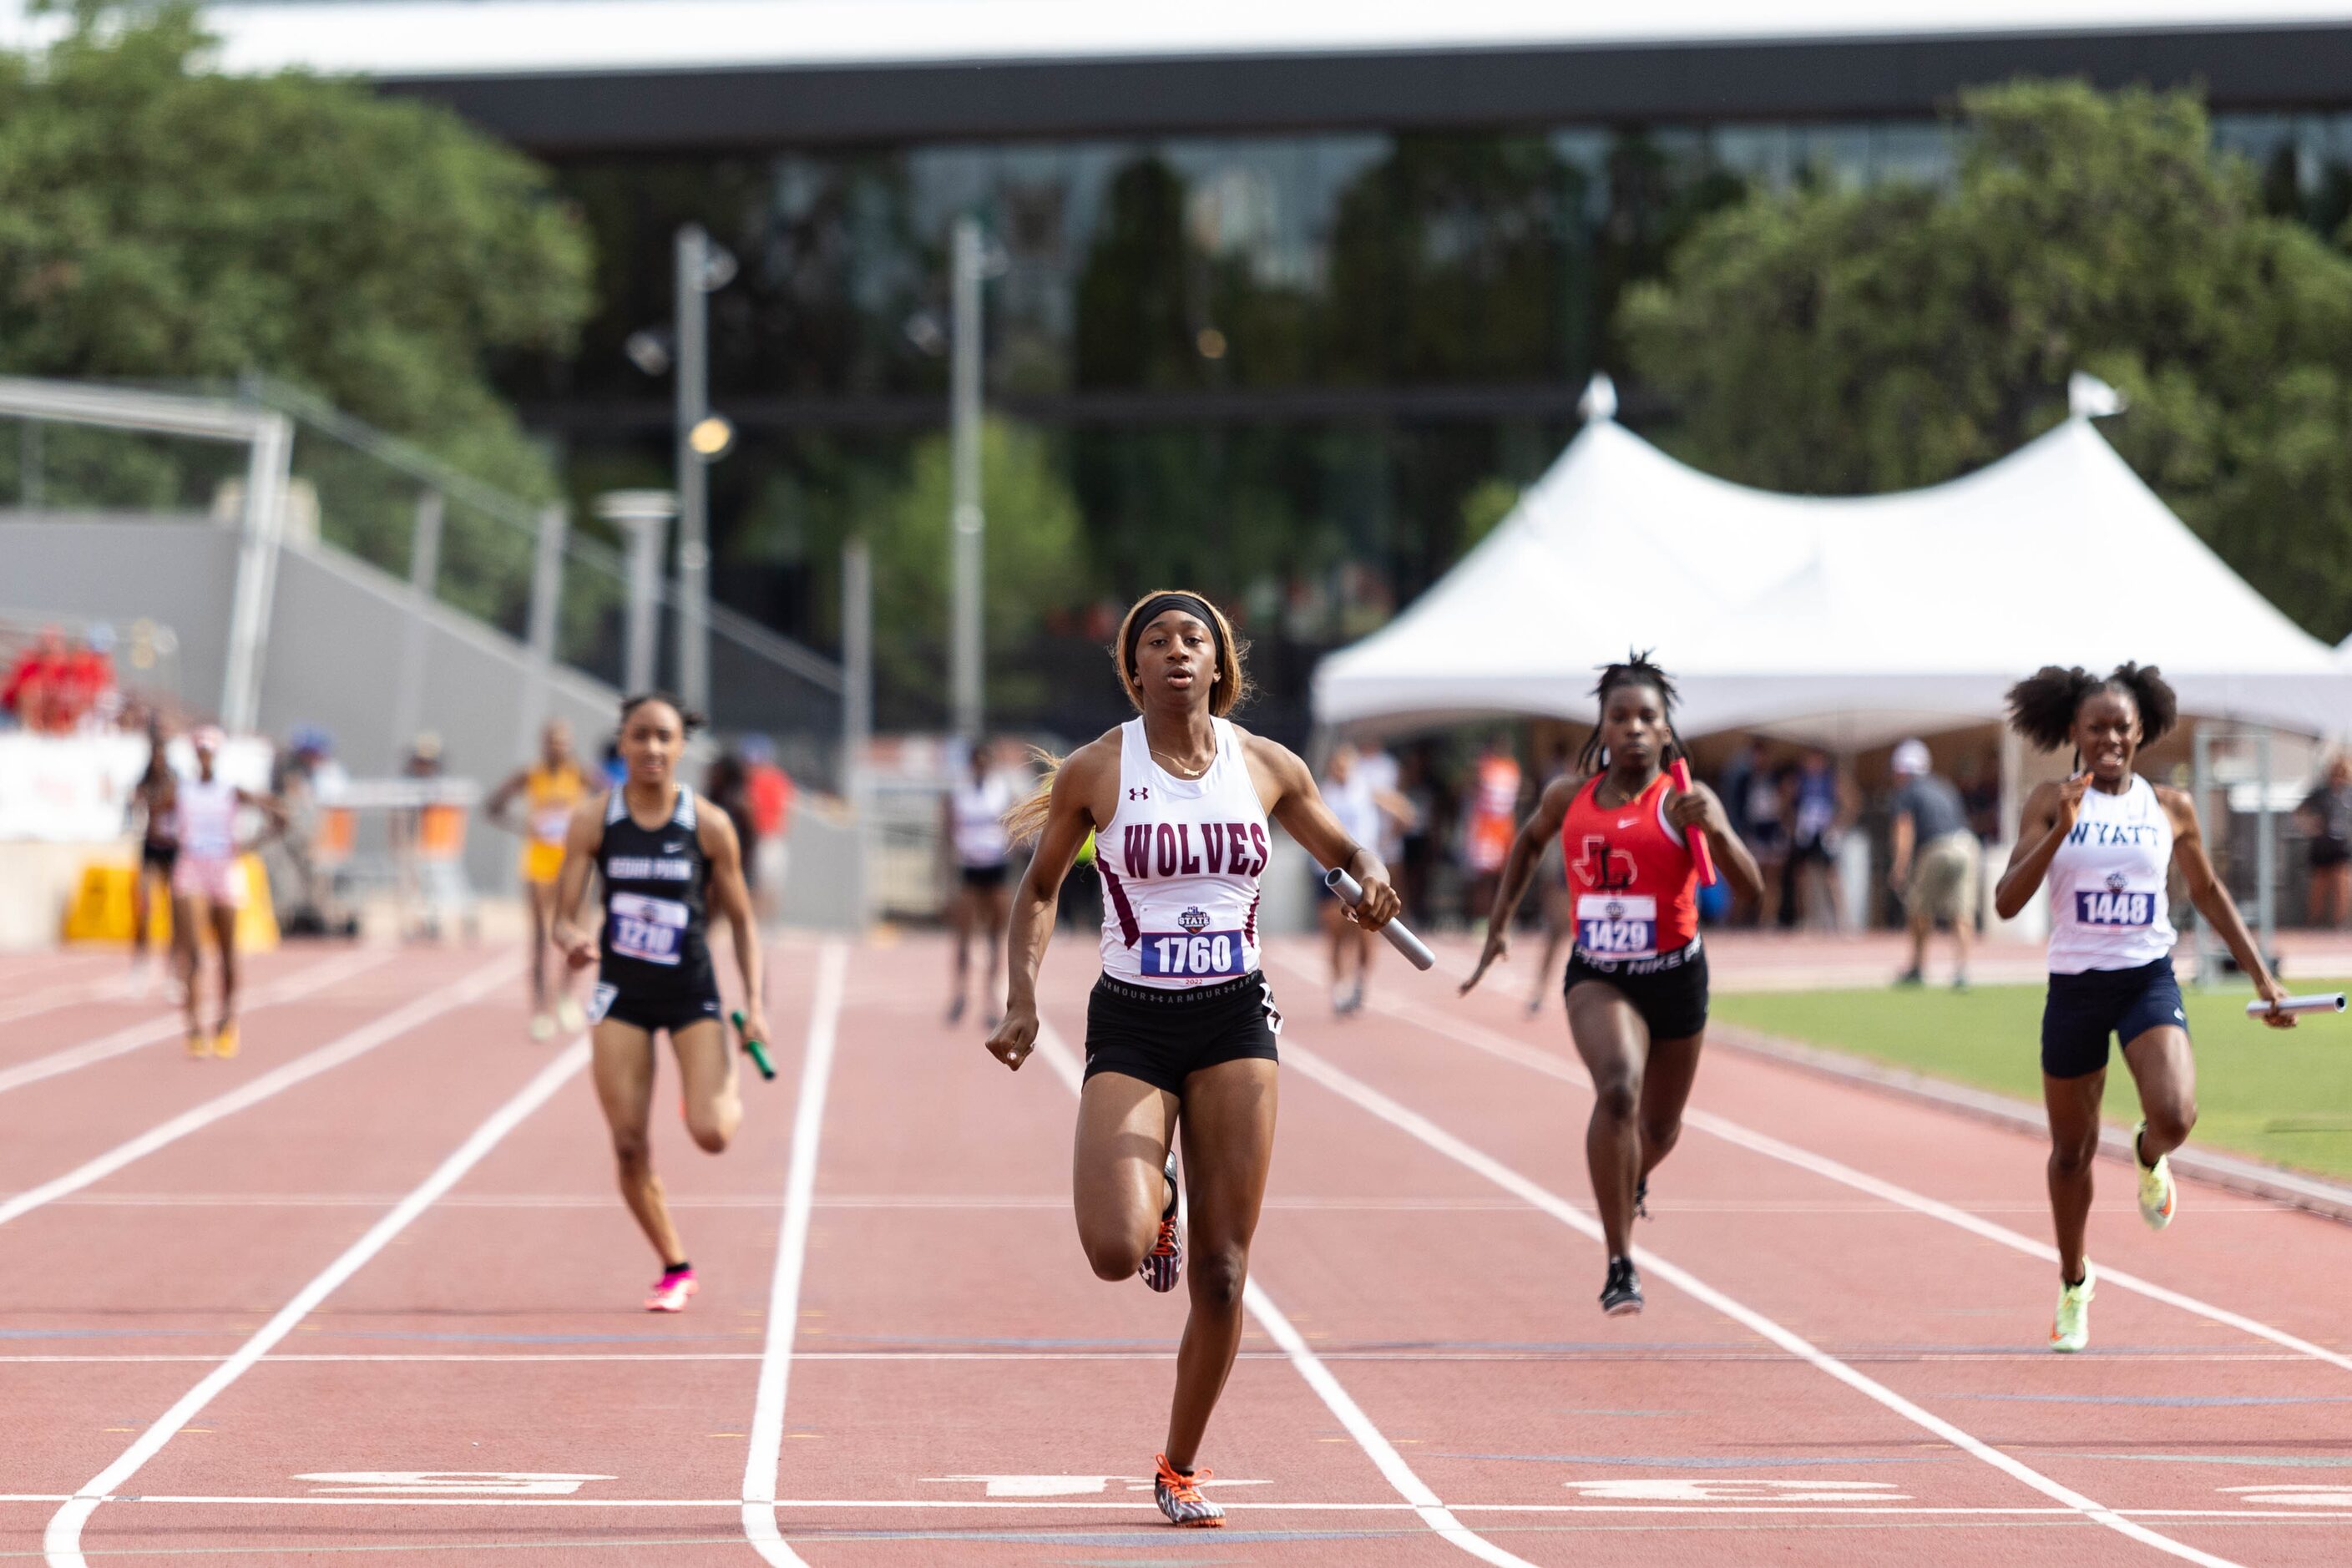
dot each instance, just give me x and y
(1897, 1284)
(483, 1315)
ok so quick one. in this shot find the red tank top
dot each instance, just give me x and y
(1635, 885)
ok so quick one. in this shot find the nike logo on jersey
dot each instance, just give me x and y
(673, 848)
(1628, 822)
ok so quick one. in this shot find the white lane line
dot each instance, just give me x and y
(1537, 1059)
(1002, 1505)
(1301, 1059)
(293, 988)
(301, 1069)
(1409, 1486)
(1414, 1357)
(757, 1502)
(61, 1543)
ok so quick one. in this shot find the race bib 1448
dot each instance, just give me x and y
(2114, 906)
(648, 930)
(1617, 925)
(1191, 955)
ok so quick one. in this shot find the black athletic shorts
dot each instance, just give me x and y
(1165, 1037)
(158, 857)
(652, 1011)
(1669, 991)
(980, 877)
(2083, 1010)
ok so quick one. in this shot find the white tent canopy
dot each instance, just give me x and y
(1846, 620)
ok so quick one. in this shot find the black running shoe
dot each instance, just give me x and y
(1641, 1198)
(1622, 1297)
(1164, 1264)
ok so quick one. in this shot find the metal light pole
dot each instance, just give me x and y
(967, 524)
(702, 266)
(423, 574)
(643, 514)
(857, 715)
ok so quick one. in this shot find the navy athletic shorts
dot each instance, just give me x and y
(2083, 1010)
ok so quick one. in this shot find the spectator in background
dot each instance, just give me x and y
(1366, 810)
(1417, 842)
(770, 792)
(727, 786)
(2325, 818)
(1820, 807)
(36, 681)
(1490, 821)
(1935, 860)
(86, 680)
(1980, 783)
(1751, 793)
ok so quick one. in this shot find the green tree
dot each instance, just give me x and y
(160, 221)
(1033, 562)
(1848, 343)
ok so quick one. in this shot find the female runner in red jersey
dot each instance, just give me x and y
(1636, 977)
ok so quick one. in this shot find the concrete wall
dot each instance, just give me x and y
(337, 639)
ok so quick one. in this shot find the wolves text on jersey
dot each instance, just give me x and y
(1166, 849)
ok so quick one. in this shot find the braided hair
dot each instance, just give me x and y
(1637, 670)
(2043, 706)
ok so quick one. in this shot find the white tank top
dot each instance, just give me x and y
(978, 809)
(2108, 907)
(208, 818)
(1181, 860)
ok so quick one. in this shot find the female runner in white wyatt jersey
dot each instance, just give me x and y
(2106, 839)
(1180, 1029)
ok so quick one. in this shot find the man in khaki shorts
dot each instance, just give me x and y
(1936, 859)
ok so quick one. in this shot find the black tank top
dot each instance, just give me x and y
(655, 916)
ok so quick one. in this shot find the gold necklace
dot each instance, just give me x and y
(1177, 768)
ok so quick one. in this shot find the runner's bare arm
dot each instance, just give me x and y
(1520, 869)
(1085, 795)
(1298, 806)
(494, 808)
(1701, 808)
(272, 811)
(2043, 826)
(2213, 901)
(580, 842)
(730, 897)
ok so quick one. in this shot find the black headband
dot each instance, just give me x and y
(1159, 605)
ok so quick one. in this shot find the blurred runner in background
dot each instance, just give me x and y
(1490, 819)
(208, 883)
(2325, 818)
(551, 789)
(1372, 814)
(154, 812)
(980, 848)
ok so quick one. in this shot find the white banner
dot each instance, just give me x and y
(76, 789)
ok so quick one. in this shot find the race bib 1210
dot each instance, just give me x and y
(651, 931)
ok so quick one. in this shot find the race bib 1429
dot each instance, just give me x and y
(1617, 925)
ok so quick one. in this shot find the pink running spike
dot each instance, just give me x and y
(671, 1290)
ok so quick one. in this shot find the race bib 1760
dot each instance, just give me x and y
(1191, 955)
(651, 931)
(2114, 906)
(1617, 925)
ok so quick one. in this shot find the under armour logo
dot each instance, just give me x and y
(1142, 794)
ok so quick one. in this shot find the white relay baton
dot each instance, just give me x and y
(2318, 1002)
(1415, 951)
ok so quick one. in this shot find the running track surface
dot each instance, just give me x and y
(367, 1288)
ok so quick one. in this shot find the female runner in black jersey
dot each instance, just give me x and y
(667, 861)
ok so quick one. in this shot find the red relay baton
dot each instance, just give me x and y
(1701, 855)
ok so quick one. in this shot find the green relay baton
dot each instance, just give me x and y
(756, 1049)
